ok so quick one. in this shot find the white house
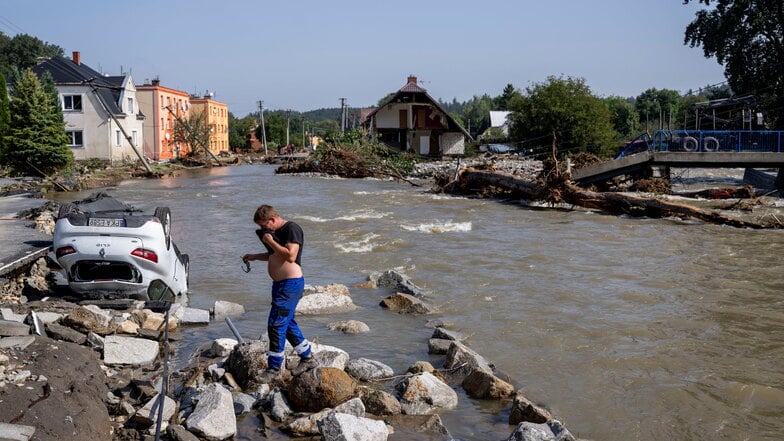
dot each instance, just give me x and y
(500, 119)
(96, 109)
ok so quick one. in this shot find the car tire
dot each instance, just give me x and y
(65, 209)
(164, 217)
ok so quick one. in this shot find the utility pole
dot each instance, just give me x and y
(120, 126)
(263, 130)
(342, 115)
(288, 120)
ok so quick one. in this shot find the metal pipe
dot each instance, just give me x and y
(234, 331)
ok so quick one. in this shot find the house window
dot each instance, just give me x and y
(133, 137)
(130, 105)
(74, 138)
(118, 138)
(72, 103)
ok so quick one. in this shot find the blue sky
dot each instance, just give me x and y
(304, 55)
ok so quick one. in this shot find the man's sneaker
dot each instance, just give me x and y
(269, 375)
(305, 364)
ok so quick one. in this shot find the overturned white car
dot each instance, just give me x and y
(109, 250)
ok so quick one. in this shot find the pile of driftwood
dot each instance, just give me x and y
(554, 186)
(344, 163)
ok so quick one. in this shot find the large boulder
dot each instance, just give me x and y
(365, 369)
(342, 427)
(129, 351)
(246, 361)
(395, 281)
(332, 288)
(523, 410)
(485, 385)
(329, 356)
(349, 327)
(213, 418)
(461, 361)
(379, 402)
(405, 304)
(424, 394)
(324, 303)
(308, 425)
(85, 321)
(320, 388)
(550, 431)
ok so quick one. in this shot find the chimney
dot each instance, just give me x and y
(412, 79)
(76, 58)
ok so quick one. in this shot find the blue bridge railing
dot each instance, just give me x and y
(707, 141)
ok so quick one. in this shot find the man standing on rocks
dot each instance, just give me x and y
(284, 241)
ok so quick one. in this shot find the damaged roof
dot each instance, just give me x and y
(412, 88)
(65, 72)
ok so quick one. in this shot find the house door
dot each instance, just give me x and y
(424, 145)
(434, 150)
(403, 115)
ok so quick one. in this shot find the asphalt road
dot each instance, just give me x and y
(19, 241)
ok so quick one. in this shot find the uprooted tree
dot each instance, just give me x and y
(350, 155)
(553, 185)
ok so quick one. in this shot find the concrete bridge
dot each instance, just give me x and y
(694, 149)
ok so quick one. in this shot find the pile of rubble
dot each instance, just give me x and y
(525, 168)
(342, 398)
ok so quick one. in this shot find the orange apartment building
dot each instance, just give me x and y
(217, 118)
(162, 106)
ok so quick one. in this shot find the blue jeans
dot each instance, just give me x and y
(281, 325)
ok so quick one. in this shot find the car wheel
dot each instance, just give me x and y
(164, 217)
(65, 209)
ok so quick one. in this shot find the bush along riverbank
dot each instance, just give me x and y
(92, 370)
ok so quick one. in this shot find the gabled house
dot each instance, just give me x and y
(163, 107)
(97, 109)
(410, 119)
(499, 119)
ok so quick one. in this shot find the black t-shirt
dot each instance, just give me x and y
(291, 233)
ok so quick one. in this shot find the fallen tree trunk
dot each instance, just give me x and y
(720, 193)
(616, 203)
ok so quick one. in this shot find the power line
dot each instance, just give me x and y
(8, 23)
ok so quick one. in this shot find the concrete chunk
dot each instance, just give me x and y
(10, 328)
(129, 351)
(19, 342)
(16, 432)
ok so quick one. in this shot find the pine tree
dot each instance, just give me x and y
(36, 136)
(5, 114)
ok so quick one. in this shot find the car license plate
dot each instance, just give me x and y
(105, 222)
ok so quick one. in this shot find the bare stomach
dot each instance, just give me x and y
(280, 269)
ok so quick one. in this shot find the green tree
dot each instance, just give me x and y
(476, 113)
(22, 51)
(5, 114)
(36, 136)
(194, 131)
(747, 38)
(326, 127)
(659, 108)
(275, 129)
(502, 101)
(623, 116)
(564, 108)
(239, 130)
